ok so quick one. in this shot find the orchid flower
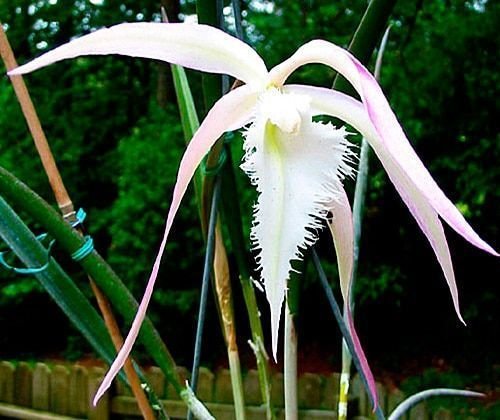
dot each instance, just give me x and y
(297, 165)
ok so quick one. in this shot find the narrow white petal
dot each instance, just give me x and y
(232, 108)
(199, 47)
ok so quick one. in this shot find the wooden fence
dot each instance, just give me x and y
(41, 392)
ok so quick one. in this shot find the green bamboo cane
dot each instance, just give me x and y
(94, 265)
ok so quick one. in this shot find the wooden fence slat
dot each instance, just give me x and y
(382, 397)
(205, 389)
(23, 385)
(330, 396)
(358, 392)
(443, 414)
(156, 379)
(184, 375)
(59, 389)
(394, 398)
(251, 388)
(101, 411)
(223, 390)
(419, 412)
(277, 389)
(121, 388)
(16, 412)
(309, 390)
(41, 387)
(78, 404)
(7, 382)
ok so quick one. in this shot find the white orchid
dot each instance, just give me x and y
(296, 164)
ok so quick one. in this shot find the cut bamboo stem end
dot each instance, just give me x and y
(67, 210)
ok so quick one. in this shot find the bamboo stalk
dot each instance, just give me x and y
(67, 209)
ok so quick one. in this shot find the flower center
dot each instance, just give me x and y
(283, 110)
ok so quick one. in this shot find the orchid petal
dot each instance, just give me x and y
(342, 231)
(229, 112)
(199, 47)
(296, 168)
(326, 101)
(384, 121)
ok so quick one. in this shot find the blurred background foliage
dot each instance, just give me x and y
(115, 132)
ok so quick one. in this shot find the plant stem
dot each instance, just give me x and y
(207, 269)
(412, 400)
(290, 370)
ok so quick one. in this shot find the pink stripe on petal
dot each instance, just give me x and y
(232, 108)
(362, 358)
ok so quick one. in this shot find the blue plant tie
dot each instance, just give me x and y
(84, 250)
(28, 270)
(80, 217)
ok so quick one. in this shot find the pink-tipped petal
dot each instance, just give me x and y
(199, 47)
(326, 101)
(343, 238)
(342, 231)
(362, 358)
(232, 108)
(384, 121)
(398, 146)
(427, 219)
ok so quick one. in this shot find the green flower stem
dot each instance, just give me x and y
(64, 292)
(95, 266)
